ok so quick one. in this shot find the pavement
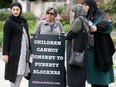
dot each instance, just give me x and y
(5, 83)
(24, 82)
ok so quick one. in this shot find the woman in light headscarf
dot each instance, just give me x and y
(99, 65)
(78, 31)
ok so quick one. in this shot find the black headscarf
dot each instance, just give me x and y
(103, 44)
(92, 8)
(19, 18)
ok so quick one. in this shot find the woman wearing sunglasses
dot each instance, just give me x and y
(50, 25)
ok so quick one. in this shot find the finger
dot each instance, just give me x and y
(5, 60)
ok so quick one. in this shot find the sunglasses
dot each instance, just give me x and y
(50, 13)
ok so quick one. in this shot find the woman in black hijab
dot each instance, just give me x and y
(101, 48)
(15, 44)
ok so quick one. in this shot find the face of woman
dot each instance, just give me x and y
(51, 15)
(15, 11)
(86, 7)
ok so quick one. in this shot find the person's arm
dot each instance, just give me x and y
(7, 32)
(5, 58)
(75, 27)
(103, 23)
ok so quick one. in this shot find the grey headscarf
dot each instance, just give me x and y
(79, 10)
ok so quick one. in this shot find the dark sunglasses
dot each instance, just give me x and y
(50, 13)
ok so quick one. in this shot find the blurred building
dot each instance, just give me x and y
(38, 7)
(101, 1)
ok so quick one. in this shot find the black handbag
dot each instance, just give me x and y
(76, 58)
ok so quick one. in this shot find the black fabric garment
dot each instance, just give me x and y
(99, 85)
(18, 19)
(12, 37)
(103, 44)
(104, 50)
(76, 75)
(70, 35)
(104, 47)
(102, 26)
(79, 39)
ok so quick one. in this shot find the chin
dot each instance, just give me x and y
(16, 15)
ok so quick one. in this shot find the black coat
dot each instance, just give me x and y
(12, 38)
(104, 50)
(76, 75)
(104, 47)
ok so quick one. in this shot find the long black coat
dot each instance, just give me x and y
(12, 38)
(76, 75)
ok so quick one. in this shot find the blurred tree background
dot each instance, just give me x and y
(5, 3)
(110, 8)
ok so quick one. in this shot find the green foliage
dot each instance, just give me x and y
(5, 3)
(32, 0)
(109, 7)
(29, 16)
(65, 24)
(60, 9)
(66, 27)
(4, 15)
(112, 6)
(64, 17)
(115, 66)
(1, 32)
(31, 24)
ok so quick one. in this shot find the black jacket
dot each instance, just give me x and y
(74, 73)
(104, 50)
(104, 47)
(12, 32)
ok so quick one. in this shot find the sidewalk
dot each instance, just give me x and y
(24, 82)
(5, 83)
